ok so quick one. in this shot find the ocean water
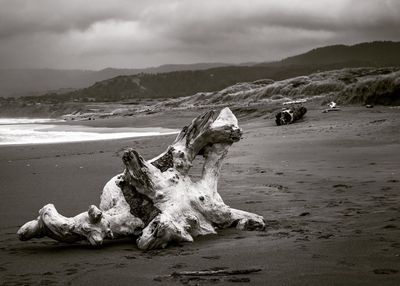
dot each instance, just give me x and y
(14, 131)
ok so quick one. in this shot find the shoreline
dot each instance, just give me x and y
(18, 131)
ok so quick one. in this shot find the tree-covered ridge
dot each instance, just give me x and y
(184, 83)
(383, 53)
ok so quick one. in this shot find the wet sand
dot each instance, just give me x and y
(328, 187)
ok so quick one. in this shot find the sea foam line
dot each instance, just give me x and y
(16, 134)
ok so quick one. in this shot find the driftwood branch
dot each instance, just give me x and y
(93, 225)
(216, 272)
(156, 200)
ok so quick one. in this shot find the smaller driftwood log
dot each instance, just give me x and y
(156, 201)
(290, 115)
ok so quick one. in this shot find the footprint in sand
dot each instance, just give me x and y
(368, 182)
(325, 236)
(257, 170)
(252, 202)
(277, 186)
(178, 266)
(385, 271)
(239, 279)
(217, 268)
(342, 186)
(71, 271)
(333, 204)
(345, 263)
(215, 257)
(47, 282)
(317, 256)
(395, 245)
(304, 214)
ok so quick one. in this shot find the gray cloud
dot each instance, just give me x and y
(22, 17)
(123, 33)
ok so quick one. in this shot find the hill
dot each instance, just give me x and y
(382, 53)
(185, 80)
(173, 84)
(25, 82)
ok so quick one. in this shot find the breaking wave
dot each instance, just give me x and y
(24, 131)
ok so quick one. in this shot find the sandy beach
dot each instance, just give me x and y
(328, 187)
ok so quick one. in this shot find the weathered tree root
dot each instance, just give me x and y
(93, 225)
(156, 200)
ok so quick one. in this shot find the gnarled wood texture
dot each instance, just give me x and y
(156, 200)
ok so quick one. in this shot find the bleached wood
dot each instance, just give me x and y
(93, 225)
(156, 200)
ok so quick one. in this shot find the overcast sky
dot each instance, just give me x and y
(97, 34)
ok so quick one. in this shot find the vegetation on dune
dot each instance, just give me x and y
(384, 90)
(346, 86)
(170, 85)
(175, 84)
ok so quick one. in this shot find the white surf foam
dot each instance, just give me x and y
(33, 133)
(8, 121)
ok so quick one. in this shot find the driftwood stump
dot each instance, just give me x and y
(290, 115)
(156, 200)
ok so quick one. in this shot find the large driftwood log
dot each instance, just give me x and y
(290, 115)
(156, 200)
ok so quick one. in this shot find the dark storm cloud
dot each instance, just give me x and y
(21, 17)
(123, 33)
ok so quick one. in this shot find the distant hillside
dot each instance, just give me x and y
(174, 84)
(23, 82)
(171, 81)
(345, 86)
(366, 54)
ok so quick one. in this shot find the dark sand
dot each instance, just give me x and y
(328, 187)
